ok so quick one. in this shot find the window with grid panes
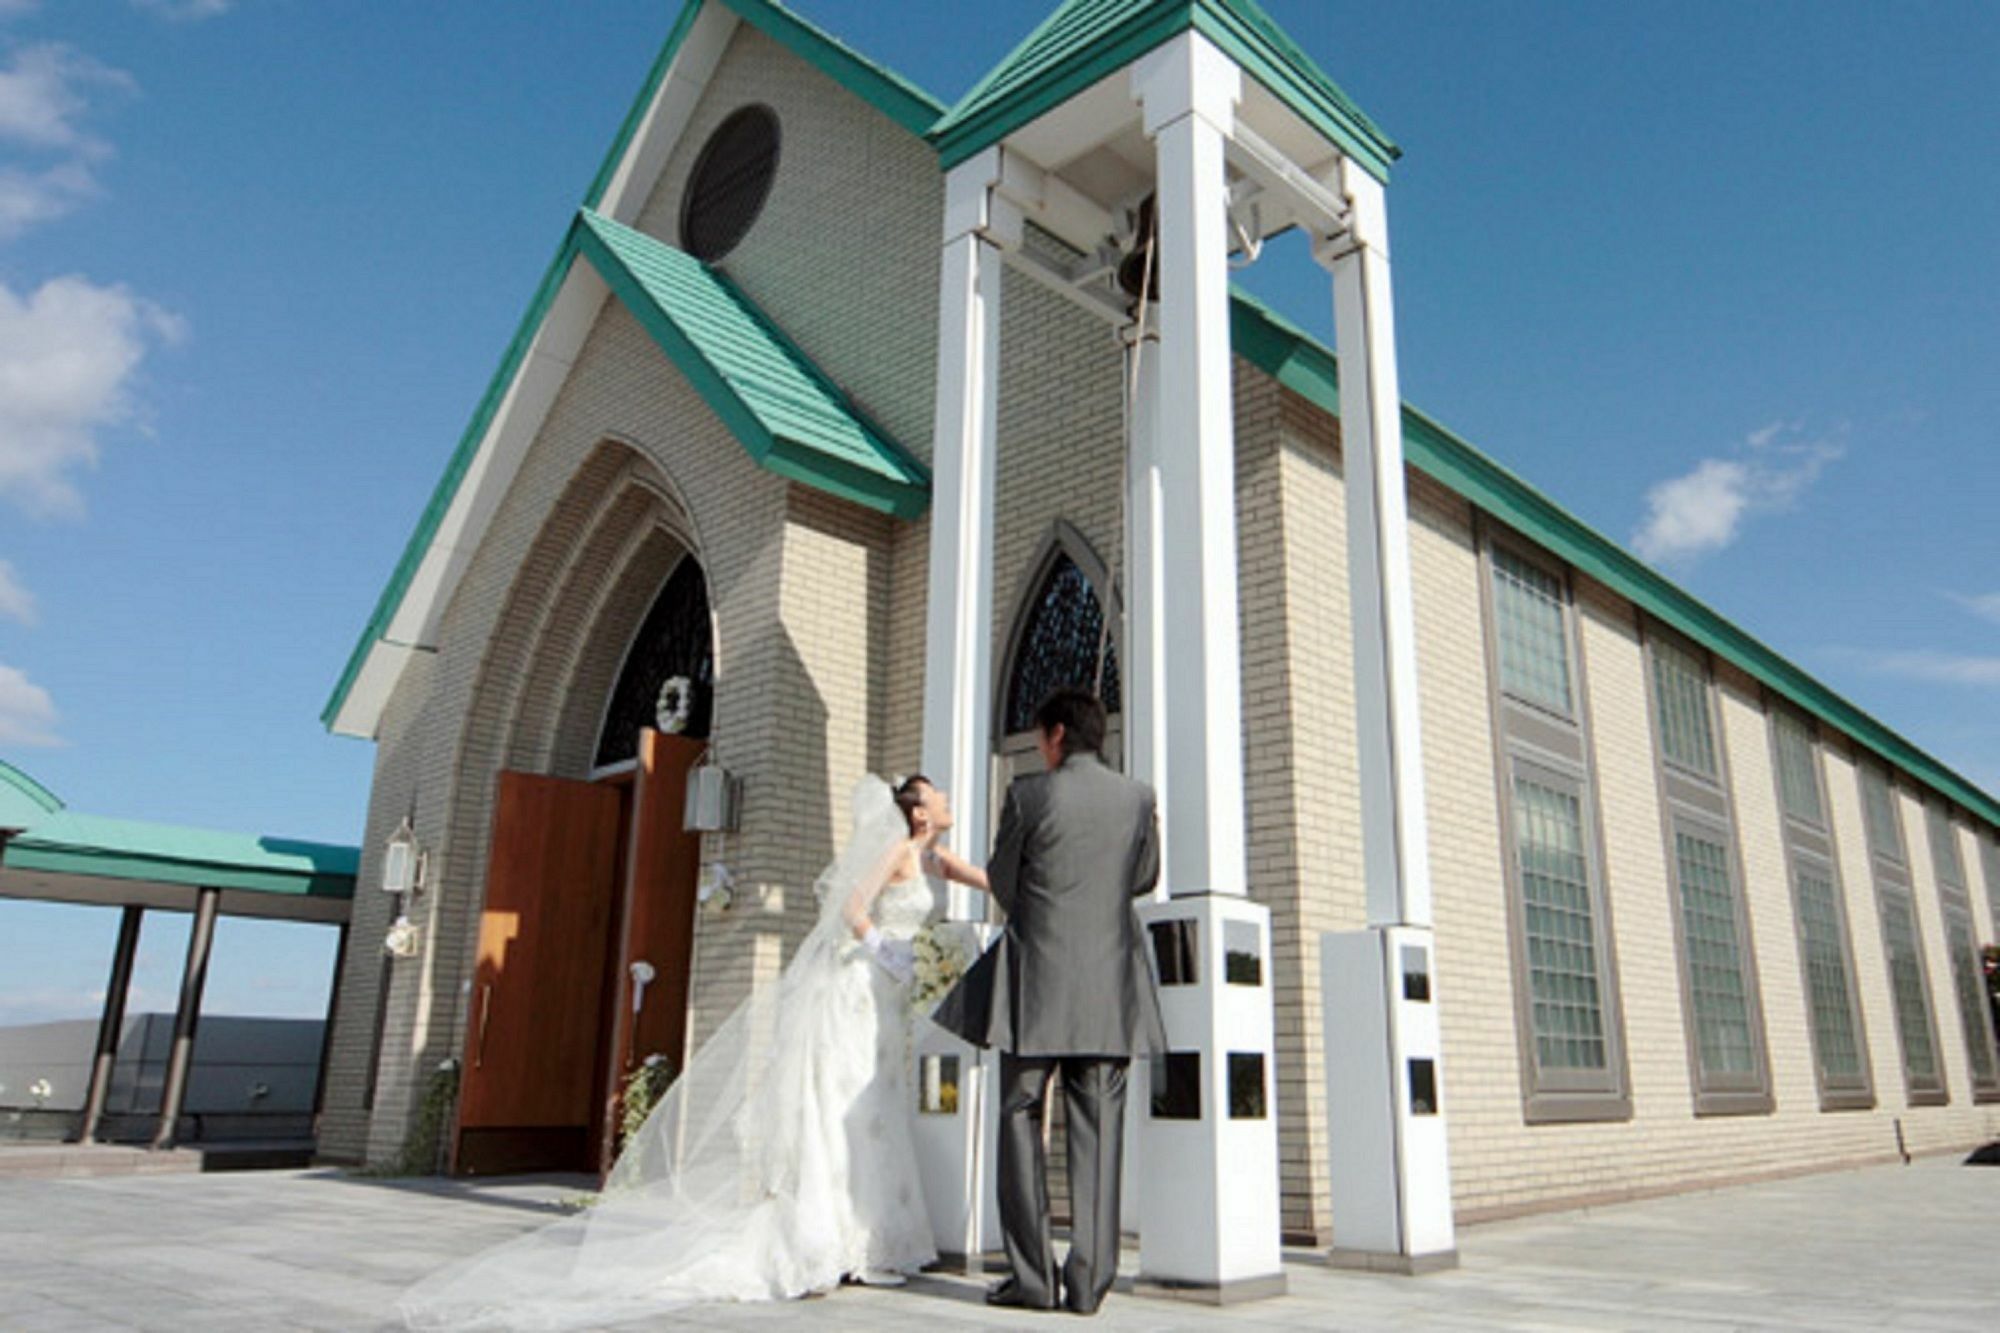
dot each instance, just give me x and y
(1560, 927)
(1968, 982)
(1989, 866)
(1529, 603)
(1907, 988)
(1798, 771)
(1829, 988)
(1716, 986)
(1680, 698)
(1944, 848)
(1878, 803)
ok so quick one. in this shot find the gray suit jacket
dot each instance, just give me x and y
(1070, 974)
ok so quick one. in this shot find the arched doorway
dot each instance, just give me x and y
(587, 930)
(1061, 636)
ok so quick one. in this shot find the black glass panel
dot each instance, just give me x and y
(1062, 645)
(729, 183)
(1174, 946)
(1242, 953)
(674, 640)
(1246, 1085)
(1416, 974)
(1176, 1079)
(1423, 1087)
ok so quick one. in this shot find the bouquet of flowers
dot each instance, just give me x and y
(942, 955)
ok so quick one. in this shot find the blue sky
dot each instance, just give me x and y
(1719, 277)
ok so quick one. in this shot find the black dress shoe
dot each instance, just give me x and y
(1013, 1296)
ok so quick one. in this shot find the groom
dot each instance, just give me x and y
(1066, 988)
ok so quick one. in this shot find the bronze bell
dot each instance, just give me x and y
(1134, 277)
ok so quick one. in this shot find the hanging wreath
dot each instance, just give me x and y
(403, 938)
(674, 707)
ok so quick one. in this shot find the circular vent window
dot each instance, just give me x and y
(730, 182)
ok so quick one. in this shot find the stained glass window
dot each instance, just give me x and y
(674, 640)
(1064, 643)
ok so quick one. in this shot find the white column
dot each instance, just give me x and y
(1208, 1190)
(1387, 1155)
(955, 1150)
(1145, 572)
(1189, 90)
(958, 687)
(1395, 850)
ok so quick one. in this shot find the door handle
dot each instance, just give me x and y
(485, 1013)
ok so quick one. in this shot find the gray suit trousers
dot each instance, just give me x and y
(1094, 1096)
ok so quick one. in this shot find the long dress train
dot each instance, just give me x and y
(780, 1161)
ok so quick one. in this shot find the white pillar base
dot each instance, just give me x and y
(1209, 1226)
(958, 1148)
(1386, 1151)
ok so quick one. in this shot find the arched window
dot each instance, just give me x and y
(1061, 637)
(675, 640)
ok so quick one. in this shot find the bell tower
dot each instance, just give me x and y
(1158, 141)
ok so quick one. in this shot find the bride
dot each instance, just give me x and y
(780, 1162)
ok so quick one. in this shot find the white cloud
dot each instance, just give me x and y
(1933, 668)
(1985, 605)
(16, 602)
(31, 197)
(27, 714)
(43, 97)
(68, 354)
(187, 11)
(1703, 510)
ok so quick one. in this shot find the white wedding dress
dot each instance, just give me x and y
(778, 1163)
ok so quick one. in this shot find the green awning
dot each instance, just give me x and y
(121, 849)
(23, 801)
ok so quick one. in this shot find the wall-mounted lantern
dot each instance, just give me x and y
(403, 861)
(714, 797)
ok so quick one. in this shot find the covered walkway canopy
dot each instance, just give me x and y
(52, 854)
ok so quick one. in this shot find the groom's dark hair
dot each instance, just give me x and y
(1081, 716)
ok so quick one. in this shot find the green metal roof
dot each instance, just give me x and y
(788, 414)
(1085, 40)
(791, 417)
(1295, 359)
(73, 844)
(23, 801)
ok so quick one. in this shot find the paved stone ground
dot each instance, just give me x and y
(1884, 1248)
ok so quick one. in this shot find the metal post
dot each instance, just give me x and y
(116, 989)
(194, 975)
(326, 1029)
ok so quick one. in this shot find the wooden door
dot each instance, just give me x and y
(535, 1023)
(661, 880)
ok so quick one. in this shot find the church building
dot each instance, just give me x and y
(845, 424)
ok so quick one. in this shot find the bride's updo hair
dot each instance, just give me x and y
(910, 798)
